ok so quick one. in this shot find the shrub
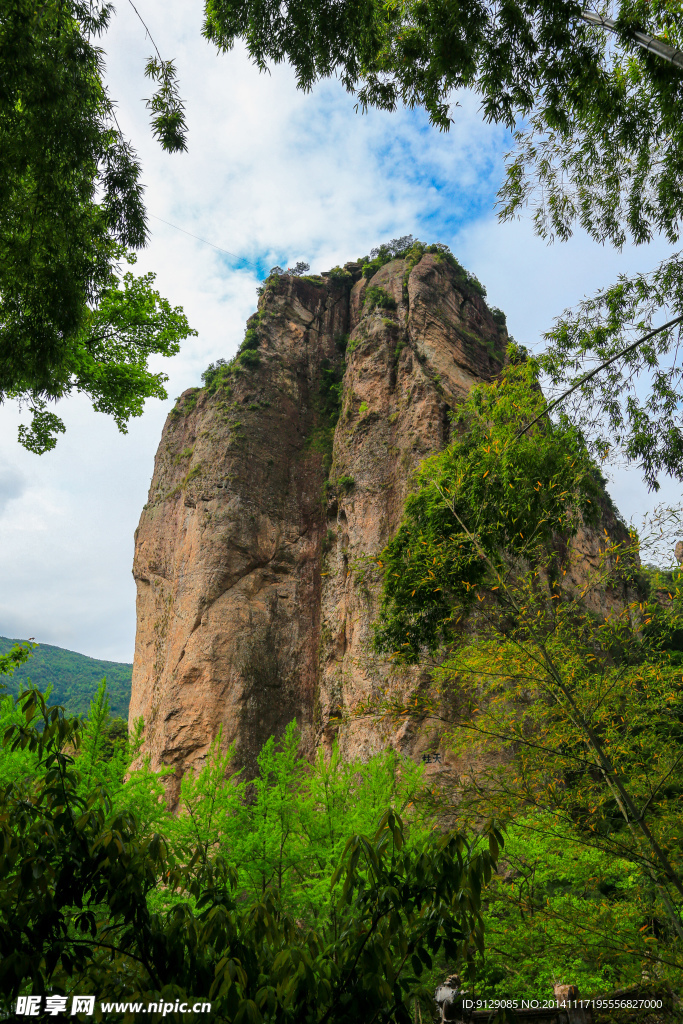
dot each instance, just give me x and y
(215, 374)
(384, 254)
(248, 357)
(340, 275)
(331, 384)
(378, 297)
(498, 316)
(184, 406)
(251, 340)
(345, 483)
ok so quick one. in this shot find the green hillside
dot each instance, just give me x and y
(74, 677)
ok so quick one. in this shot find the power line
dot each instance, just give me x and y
(205, 241)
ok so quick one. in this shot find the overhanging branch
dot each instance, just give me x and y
(648, 42)
(587, 376)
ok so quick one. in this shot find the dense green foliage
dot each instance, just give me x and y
(70, 319)
(101, 888)
(331, 386)
(562, 908)
(286, 830)
(378, 297)
(254, 879)
(558, 679)
(216, 376)
(519, 491)
(73, 678)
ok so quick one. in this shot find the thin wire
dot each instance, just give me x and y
(206, 242)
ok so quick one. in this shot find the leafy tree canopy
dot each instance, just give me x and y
(596, 105)
(557, 684)
(94, 895)
(72, 212)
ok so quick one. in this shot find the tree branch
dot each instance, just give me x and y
(602, 366)
(648, 42)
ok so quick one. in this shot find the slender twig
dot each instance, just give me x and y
(659, 785)
(151, 37)
(586, 377)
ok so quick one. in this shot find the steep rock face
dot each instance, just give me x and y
(255, 580)
(405, 372)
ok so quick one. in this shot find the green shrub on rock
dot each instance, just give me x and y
(216, 376)
(340, 275)
(345, 483)
(378, 297)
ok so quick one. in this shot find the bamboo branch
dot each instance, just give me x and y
(648, 42)
(587, 376)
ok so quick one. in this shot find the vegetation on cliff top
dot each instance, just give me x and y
(412, 250)
(218, 374)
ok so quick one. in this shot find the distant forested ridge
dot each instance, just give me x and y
(74, 678)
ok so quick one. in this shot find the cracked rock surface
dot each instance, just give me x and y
(254, 556)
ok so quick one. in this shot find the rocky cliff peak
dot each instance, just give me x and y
(274, 485)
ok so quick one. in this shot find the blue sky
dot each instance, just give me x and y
(275, 176)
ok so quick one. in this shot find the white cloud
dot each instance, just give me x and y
(12, 486)
(534, 282)
(275, 176)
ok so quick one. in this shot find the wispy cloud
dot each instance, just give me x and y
(276, 176)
